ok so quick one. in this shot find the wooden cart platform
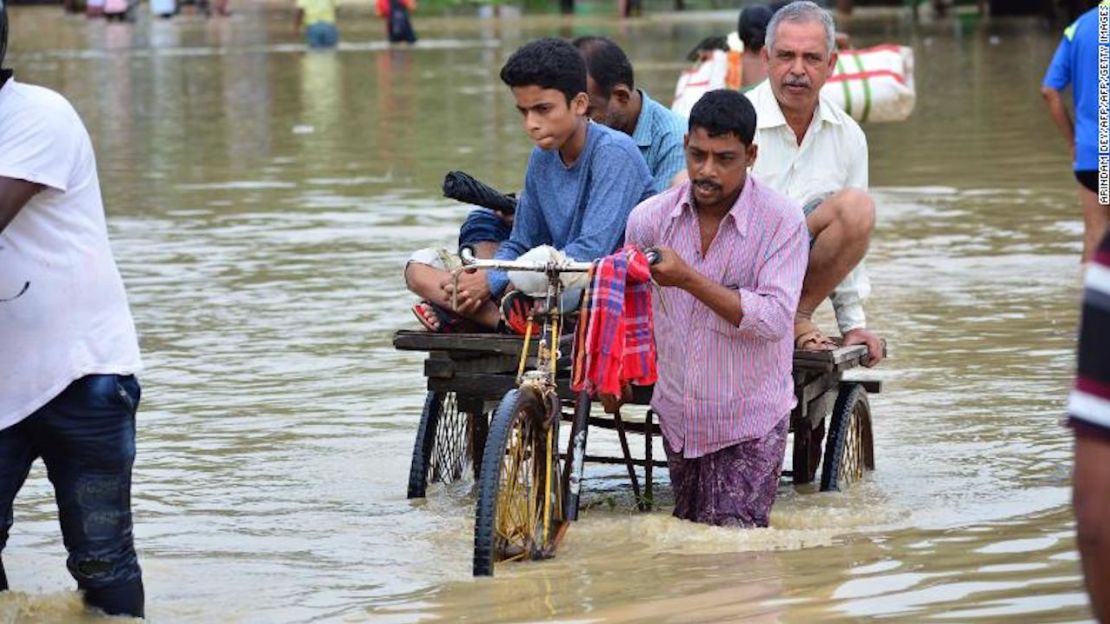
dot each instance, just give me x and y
(469, 373)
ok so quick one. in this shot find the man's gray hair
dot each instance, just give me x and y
(801, 12)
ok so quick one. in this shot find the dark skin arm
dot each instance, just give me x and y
(14, 195)
(1090, 483)
(1059, 112)
(672, 270)
(861, 336)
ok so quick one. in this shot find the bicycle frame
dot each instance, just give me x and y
(543, 375)
(542, 378)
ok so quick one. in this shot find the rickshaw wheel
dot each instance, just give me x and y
(519, 507)
(849, 450)
(442, 452)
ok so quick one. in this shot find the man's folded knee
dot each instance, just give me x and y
(427, 256)
(855, 210)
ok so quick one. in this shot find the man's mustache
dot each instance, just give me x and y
(796, 82)
(707, 184)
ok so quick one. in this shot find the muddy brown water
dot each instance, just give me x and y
(262, 200)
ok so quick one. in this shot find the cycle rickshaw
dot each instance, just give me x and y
(495, 404)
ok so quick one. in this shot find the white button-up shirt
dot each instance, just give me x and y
(831, 158)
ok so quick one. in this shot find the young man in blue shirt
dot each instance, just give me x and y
(1076, 63)
(582, 181)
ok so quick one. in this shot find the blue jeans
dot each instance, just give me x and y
(483, 225)
(86, 438)
(322, 35)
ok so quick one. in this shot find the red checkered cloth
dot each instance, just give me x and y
(614, 344)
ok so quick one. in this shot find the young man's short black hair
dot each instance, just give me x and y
(724, 111)
(607, 63)
(548, 64)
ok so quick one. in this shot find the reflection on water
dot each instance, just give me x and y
(262, 200)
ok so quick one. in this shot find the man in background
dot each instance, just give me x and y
(316, 19)
(616, 102)
(1076, 63)
(751, 28)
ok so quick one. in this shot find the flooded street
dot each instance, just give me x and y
(262, 201)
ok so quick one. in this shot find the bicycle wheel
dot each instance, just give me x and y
(442, 451)
(849, 451)
(519, 506)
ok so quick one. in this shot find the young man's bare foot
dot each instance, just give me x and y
(441, 320)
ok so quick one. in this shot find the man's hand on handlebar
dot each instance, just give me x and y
(670, 269)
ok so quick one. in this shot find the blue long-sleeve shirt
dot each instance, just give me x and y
(581, 210)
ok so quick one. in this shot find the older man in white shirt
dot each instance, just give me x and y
(813, 152)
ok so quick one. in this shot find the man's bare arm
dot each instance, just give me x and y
(672, 270)
(14, 195)
(1091, 482)
(1059, 112)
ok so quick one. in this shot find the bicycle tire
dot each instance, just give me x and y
(849, 451)
(442, 449)
(516, 435)
(422, 449)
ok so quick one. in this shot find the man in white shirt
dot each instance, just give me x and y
(68, 349)
(813, 152)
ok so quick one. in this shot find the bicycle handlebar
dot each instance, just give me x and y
(566, 266)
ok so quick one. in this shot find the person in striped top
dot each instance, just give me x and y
(1089, 417)
(733, 256)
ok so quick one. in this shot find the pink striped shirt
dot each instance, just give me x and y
(721, 383)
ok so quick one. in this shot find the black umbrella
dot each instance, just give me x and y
(460, 186)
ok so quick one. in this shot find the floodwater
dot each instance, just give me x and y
(262, 200)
